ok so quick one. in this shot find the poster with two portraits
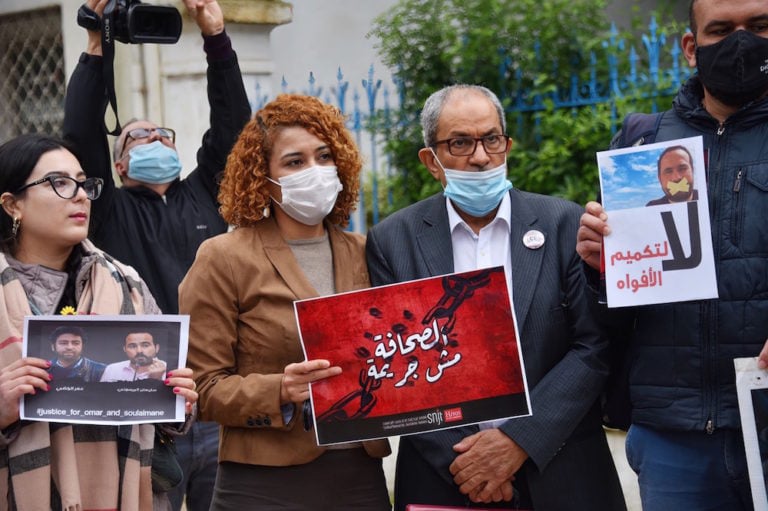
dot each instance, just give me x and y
(100, 374)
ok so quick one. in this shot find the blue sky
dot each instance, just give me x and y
(629, 180)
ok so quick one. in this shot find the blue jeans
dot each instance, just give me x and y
(198, 453)
(689, 470)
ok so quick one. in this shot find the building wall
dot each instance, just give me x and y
(166, 83)
(323, 36)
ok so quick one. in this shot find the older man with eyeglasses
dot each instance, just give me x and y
(557, 458)
(155, 222)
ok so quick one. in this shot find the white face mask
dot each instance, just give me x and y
(309, 195)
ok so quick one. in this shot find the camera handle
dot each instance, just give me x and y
(88, 19)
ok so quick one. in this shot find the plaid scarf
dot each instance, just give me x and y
(75, 467)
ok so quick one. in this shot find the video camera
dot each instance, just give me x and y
(130, 21)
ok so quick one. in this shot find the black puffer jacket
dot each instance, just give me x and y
(681, 373)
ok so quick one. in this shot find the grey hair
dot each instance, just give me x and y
(434, 104)
(117, 148)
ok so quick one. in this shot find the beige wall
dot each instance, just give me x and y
(166, 83)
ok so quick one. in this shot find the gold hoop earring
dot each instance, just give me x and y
(16, 224)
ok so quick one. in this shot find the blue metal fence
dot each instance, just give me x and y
(659, 74)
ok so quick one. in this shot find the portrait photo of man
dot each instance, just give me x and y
(141, 350)
(68, 343)
(675, 173)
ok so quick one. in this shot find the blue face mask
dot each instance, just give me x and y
(476, 193)
(153, 163)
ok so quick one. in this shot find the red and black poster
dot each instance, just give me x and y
(417, 356)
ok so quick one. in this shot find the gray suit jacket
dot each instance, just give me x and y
(563, 350)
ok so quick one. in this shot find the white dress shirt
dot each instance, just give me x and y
(487, 249)
(122, 371)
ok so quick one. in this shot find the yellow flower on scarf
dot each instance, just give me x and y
(68, 311)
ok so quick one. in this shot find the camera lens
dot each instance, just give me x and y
(152, 24)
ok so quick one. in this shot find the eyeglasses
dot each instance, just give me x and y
(142, 133)
(466, 146)
(67, 187)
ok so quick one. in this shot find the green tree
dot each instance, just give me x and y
(512, 47)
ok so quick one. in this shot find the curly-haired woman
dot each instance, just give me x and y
(290, 184)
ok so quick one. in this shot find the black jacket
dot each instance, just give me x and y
(681, 371)
(565, 356)
(158, 236)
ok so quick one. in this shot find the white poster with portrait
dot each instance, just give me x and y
(752, 389)
(660, 246)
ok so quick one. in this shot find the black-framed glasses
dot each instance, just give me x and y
(141, 133)
(466, 146)
(66, 187)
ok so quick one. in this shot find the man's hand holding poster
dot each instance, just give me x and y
(660, 246)
(106, 369)
(417, 356)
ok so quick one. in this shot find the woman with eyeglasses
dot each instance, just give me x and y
(46, 265)
(289, 186)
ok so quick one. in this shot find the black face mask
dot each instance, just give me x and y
(735, 70)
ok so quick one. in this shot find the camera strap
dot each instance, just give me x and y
(163, 27)
(89, 20)
(108, 59)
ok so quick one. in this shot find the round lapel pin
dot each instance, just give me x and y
(533, 239)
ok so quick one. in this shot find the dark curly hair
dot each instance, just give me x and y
(244, 194)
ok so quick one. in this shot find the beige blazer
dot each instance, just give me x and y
(239, 294)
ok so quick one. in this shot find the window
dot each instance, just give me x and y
(32, 70)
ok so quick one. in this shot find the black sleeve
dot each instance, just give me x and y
(84, 109)
(230, 111)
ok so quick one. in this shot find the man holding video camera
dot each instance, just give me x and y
(156, 221)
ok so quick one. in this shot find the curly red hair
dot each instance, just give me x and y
(244, 195)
